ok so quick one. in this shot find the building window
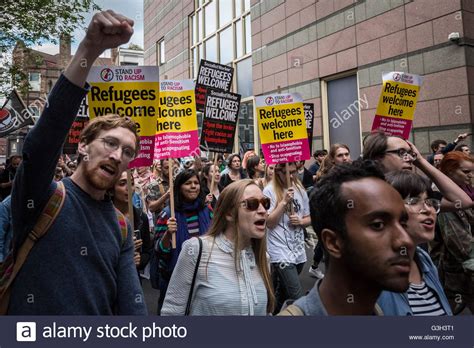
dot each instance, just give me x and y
(210, 18)
(246, 127)
(211, 49)
(248, 35)
(34, 78)
(244, 78)
(343, 99)
(160, 52)
(220, 31)
(225, 12)
(226, 46)
(34, 111)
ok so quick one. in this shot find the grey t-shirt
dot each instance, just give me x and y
(285, 242)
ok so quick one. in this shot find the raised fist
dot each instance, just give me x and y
(107, 30)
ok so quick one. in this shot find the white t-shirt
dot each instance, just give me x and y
(285, 242)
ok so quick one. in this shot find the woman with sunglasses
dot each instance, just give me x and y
(233, 276)
(193, 218)
(425, 295)
(456, 242)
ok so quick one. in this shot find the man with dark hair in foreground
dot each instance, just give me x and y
(360, 220)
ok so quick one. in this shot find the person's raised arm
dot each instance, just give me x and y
(278, 208)
(43, 144)
(106, 30)
(454, 197)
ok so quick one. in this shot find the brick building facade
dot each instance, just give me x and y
(332, 52)
(42, 70)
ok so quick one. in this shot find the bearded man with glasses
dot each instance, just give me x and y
(84, 264)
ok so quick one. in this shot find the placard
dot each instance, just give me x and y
(72, 140)
(220, 121)
(211, 75)
(397, 103)
(128, 91)
(309, 117)
(282, 128)
(176, 126)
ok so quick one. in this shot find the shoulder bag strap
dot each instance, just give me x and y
(122, 220)
(291, 310)
(188, 305)
(46, 219)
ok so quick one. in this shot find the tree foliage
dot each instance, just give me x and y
(135, 47)
(33, 22)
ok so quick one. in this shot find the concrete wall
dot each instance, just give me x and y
(169, 20)
(298, 43)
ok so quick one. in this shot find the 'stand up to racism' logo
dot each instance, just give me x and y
(106, 74)
(396, 77)
(6, 120)
(269, 100)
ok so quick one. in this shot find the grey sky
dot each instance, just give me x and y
(131, 8)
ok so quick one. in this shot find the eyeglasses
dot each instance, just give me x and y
(112, 144)
(430, 203)
(403, 153)
(252, 204)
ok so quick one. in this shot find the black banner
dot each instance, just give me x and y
(83, 109)
(309, 116)
(220, 120)
(211, 75)
(72, 140)
(14, 115)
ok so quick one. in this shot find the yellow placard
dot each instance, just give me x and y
(176, 112)
(279, 123)
(137, 100)
(398, 100)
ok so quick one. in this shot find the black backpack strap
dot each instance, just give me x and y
(188, 305)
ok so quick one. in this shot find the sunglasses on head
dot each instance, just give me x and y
(252, 204)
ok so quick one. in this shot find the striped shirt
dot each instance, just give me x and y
(423, 300)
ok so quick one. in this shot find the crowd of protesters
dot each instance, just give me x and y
(394, 230)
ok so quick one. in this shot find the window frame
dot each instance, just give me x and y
(36, 84)
(197, 41)
(160, 51)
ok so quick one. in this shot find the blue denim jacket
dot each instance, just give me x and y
(6, 233)
(393, 303)
(311, 304)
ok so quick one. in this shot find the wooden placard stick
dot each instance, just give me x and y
(288, 184)
(130, 198)
(287, 169)
(213, 179)
(170, 180)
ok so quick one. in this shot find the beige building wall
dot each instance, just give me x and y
(168, 20)
(297, 45)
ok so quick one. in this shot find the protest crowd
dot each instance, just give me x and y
(227, 234)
